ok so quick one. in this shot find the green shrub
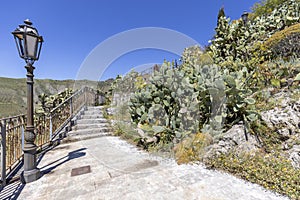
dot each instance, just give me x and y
(266, 6)
(126, 131)
(191, 147)
(272, 171)
(285, 43)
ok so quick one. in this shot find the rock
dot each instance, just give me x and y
(111, 110)
(285, 132)
(151, 140)
(233, 139)
(286, 118)
(146, 140)
(295, 156)
(141, 132)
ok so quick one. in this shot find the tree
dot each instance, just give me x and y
(221, 14)
(219, 43)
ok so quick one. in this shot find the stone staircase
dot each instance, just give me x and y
(90, 124)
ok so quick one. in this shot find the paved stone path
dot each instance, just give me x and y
(121, 171)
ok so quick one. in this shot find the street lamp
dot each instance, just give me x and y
(245, 21)
(245, 17)
(29, 44)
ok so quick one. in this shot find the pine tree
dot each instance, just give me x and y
(219, 43)
(221, 14)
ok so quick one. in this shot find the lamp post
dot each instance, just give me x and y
(29, 44)
(245, 21)
(245, 17)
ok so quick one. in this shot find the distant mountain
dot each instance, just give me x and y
(13, 96)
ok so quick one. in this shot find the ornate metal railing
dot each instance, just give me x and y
(46, 128)
(61, 116)
(12, 129)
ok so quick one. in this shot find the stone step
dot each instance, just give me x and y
(92, 121)
(89, 131)
(90, 126)
(95, 116)
(95, 108)
(93, 112)
(79, 137)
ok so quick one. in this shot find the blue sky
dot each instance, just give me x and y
(73, 28)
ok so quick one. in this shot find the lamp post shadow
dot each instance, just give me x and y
(53, 165)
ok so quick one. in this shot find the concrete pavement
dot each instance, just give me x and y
(106, 167)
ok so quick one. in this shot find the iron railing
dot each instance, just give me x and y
(47, 127)
(61, 116)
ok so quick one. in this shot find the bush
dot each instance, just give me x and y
(192, 147)
(285, 43)
(272, 171)
(266, 6)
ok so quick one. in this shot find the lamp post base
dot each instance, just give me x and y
(31, 172)
(30, 176)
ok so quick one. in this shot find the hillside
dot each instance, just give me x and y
(13, 92)
(237, 112)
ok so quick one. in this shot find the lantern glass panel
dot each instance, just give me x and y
(20, 45)
(32, 44)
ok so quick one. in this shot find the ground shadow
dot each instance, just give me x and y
(71, 155)
(12, 190)
(15, 184)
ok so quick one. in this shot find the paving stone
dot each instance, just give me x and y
(121, 171)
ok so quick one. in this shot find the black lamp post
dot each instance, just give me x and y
(245, 21)
(245, 17)
(29, 44)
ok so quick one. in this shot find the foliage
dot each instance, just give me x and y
(125, 130)
(165, 101)
(104, 90)
(13, 92)
(195, 98)
(195, 55)
(189, 105)
(236, 44)
(272, 171)
(47, 103)
(221, 14)
(284, 43)
(266, 7)
(191, 147)
(278, 74)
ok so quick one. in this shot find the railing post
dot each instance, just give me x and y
(3, 152)
(50, 124)
(71, 113)
(22, 136)
(85, 97)
(71, 107)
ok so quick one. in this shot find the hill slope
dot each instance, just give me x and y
(13, 94)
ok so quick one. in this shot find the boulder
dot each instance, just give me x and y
(233, 140)
(294, 153)
(285, 118)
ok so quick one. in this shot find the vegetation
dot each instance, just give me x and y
(192, 148)
(272, 171)
(285, 43)
(236, 44)
(47, 103)
(13, 94)
(267, 6)
(185, 108)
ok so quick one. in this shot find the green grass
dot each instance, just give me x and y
(272, 171)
